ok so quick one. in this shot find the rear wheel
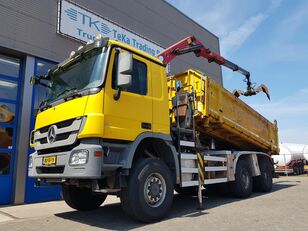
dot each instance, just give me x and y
(82, 198)
(295, 169)
(302, 170)
(264, 182)
(242, 186)
(149, 194)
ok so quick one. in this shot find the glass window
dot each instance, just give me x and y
(8, 89)
(42, 68)
(5, 159)
(9, 66)
(7, 113)
(139, 77)
(6, 137)
(80, 73)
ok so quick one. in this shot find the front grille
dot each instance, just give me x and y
(58, 138)
(43, 140)
(62, 124)
(50, 170)
(64, 134)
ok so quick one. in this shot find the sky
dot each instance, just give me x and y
(269, 38)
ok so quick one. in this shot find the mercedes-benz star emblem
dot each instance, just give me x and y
(51, 135)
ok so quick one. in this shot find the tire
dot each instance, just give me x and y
(299, 169)
(149, 194)
(264, 182)
(302, 169)
(295, 170)
(82, 199)
(242, 186)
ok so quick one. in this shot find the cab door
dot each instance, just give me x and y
(131, 114)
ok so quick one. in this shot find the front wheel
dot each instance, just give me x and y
(82, 198)
(149, 193)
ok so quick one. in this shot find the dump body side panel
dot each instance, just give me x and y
(226, 118)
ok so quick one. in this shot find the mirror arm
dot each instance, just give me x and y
(117, 95)
(45, 85)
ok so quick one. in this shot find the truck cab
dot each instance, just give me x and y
(105, 91)
(106, 107)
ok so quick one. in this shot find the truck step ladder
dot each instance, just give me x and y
(197, 168)
(214, 164)
(186, 139)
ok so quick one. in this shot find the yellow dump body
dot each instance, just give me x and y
(224, 117)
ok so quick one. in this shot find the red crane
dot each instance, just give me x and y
(191, 44)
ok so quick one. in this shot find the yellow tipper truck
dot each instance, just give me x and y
(114, 123)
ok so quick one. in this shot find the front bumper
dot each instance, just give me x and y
(91, 170)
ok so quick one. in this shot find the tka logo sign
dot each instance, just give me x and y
(87, 21)
(81, 24)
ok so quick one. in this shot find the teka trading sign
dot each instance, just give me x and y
(79, 23)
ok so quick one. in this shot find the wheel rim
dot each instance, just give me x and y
(155, 190)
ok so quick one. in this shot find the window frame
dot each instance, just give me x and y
(136, 58)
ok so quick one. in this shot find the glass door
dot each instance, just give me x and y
(45, 193)
(10, 76)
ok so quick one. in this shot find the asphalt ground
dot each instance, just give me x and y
(285, 208)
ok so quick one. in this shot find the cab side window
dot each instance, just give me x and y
(139, 77)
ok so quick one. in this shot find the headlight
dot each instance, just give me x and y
(79, 157)
(30, 165)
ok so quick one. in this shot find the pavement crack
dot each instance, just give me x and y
(9, 215)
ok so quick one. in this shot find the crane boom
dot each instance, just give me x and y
(192, 44)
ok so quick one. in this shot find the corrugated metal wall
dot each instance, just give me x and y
(29, 26)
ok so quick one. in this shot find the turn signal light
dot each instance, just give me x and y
(98, 154)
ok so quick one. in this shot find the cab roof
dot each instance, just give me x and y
(135, 50)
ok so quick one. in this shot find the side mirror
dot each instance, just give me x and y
(35, 79)
(125, 68)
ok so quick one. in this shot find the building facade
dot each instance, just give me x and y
(35, 35)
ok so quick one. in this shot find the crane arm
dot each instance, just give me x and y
(192, 44)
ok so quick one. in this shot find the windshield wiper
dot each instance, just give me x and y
(66, 90)
(73, 94)
(44, 105)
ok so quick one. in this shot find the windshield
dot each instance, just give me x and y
(81, 73)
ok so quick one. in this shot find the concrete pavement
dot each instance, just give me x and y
(286, 208)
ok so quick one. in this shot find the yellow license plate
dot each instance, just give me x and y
(49, 160)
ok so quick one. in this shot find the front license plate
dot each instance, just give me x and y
(49, 160)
